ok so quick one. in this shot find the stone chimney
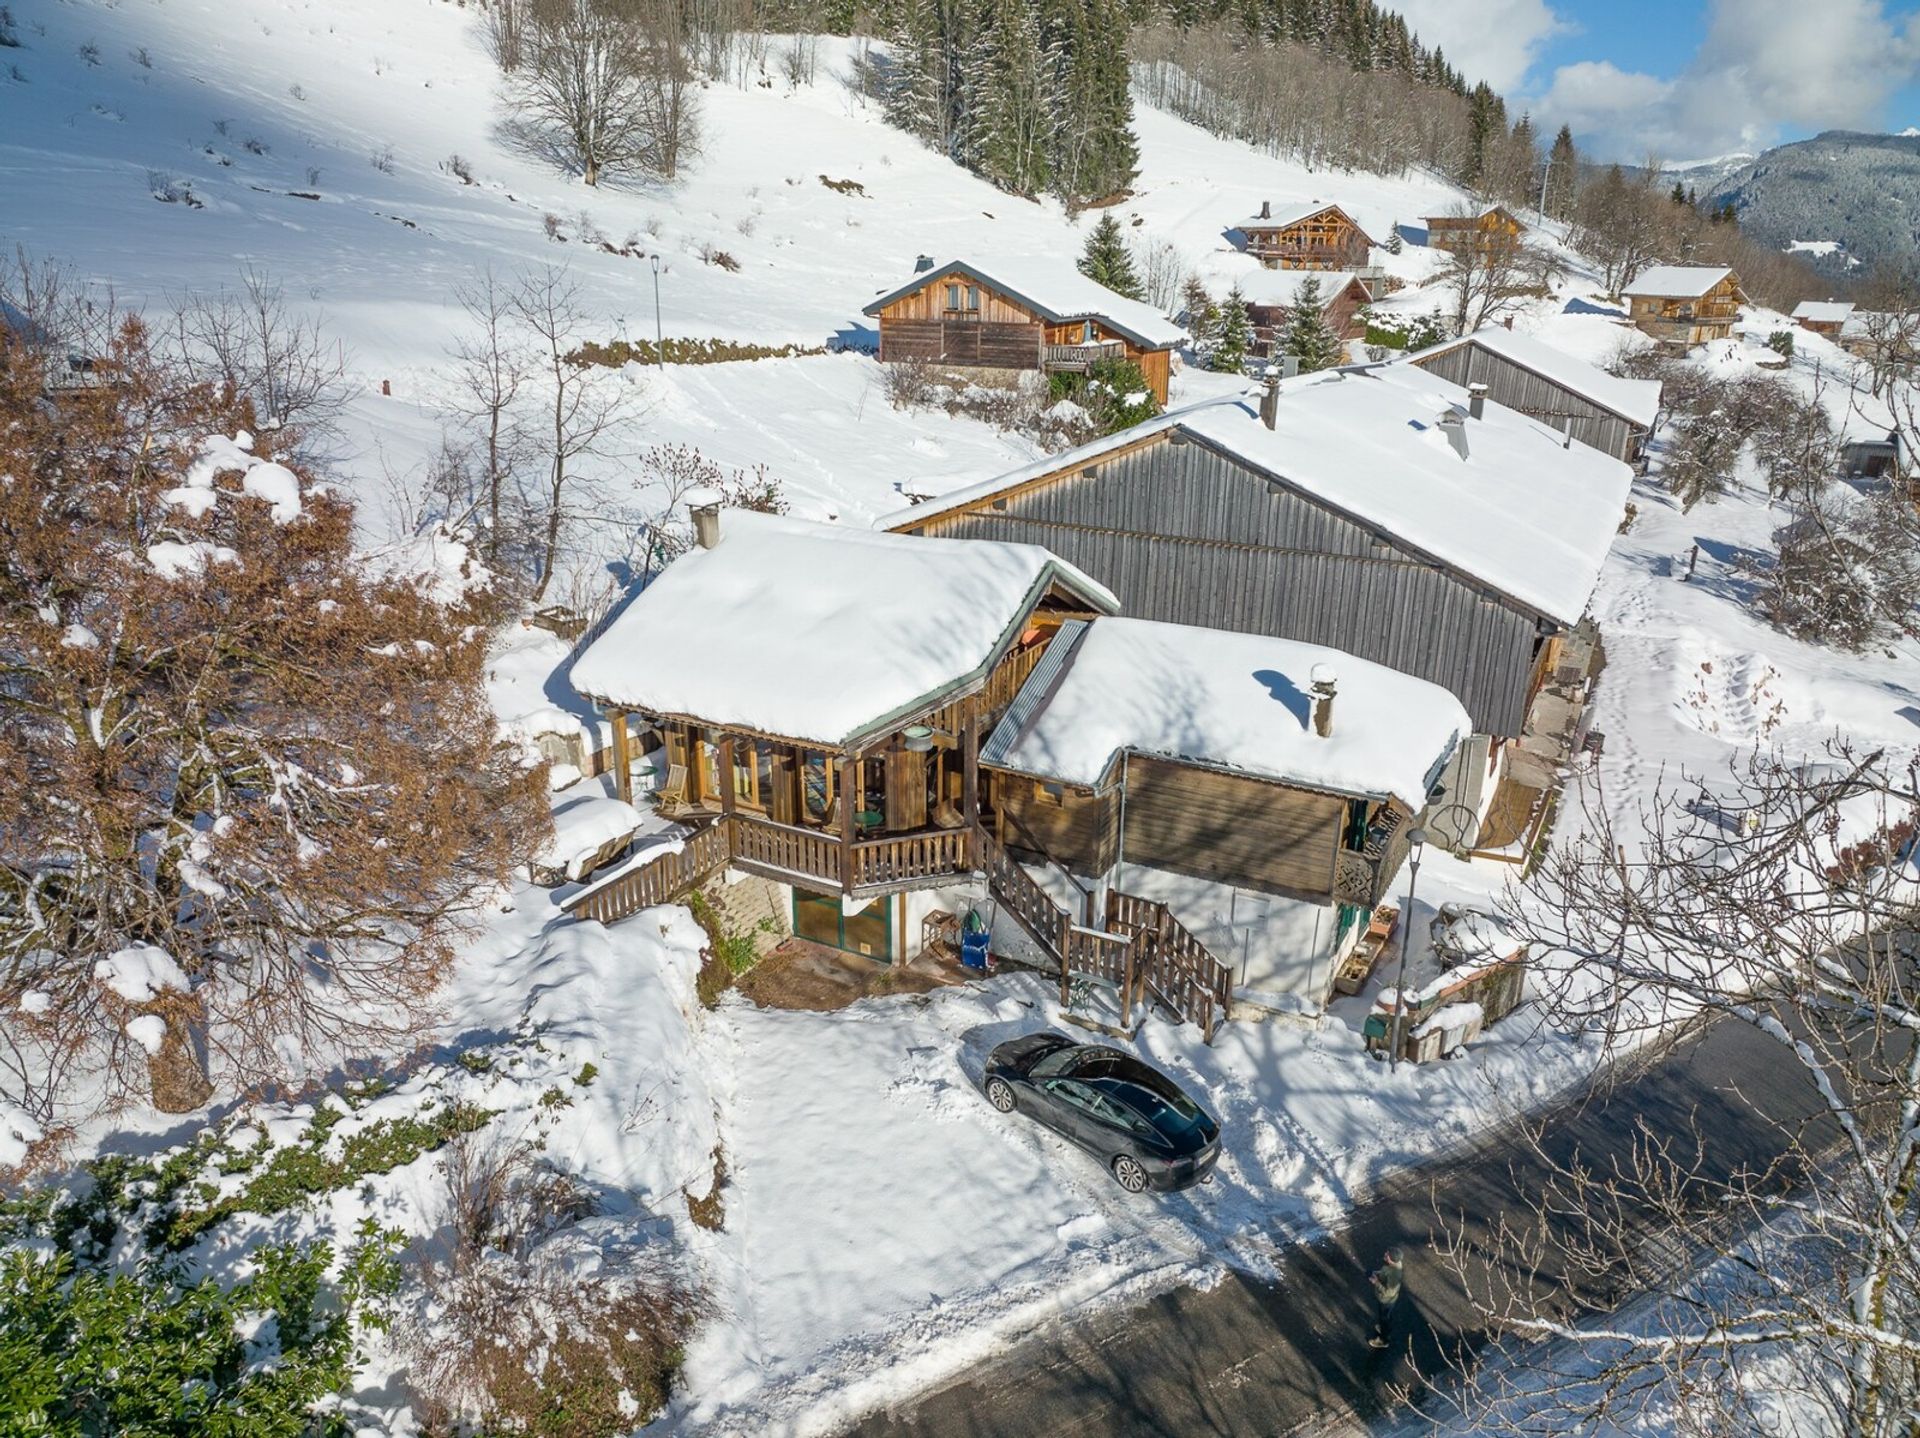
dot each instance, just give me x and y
(1477, 400)
(1454, 427)
(706, 524)
(1270, 399)
(1324, 687)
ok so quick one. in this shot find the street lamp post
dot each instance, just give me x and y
(659, 344)
(1416, 845)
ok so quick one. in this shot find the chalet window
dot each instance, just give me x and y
(973, 297)
(953, 297)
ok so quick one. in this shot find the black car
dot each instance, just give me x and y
(1134, 1119)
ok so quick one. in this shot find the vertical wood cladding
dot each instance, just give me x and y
(1185, 534)
(1231, 830)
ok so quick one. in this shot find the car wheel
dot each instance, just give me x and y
(1128, 1173)
(1000, 1095)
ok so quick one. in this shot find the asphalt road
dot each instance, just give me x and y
(1249, 1357)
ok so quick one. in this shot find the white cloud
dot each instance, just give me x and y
(1492, 40)
(1765, 66)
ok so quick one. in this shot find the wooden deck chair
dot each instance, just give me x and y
(672, 793)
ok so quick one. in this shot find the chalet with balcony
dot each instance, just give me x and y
(1685, 305)
(1382, 511)
(1601, 410)
(1477, 229)
(1141, 750)
(1823, 317)
(1311, 236)
(1013, 314)
(1272, 295)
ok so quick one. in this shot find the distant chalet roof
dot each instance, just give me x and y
(1056, 291)
(1676, 282)
(1289, 215)
(1635, 400)
(1229, 701)
(1827, 312)
(1474, 216)
(818, 632)
(1280, 287)
(1525, 515)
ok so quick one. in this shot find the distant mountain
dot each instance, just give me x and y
(1702, 175)
(1843, 200)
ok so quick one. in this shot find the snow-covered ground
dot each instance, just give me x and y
(884, 1226)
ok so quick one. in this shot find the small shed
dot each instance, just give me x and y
(1823, 317)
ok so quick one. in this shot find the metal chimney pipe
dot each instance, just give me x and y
(1455, 429)
(1477, 400)
(706, 524)
(1270, 400)
(1266, 209)
(1324, 687)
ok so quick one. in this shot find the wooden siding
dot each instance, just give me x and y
(1689, 319)
(1326, 241)
(1077, 829)
(1519, 388)
(929, 302)
(1231, 830)
(962, 342)
(1185, 534)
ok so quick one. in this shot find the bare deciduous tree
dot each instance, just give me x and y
(490, 365)
(584, 403)
(1783, 899)
(1487, 272)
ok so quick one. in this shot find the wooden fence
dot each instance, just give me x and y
(661, 880)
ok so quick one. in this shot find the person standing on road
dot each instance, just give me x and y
(1386, 1281)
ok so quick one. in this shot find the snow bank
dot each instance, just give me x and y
(140, 973)
(582, 828)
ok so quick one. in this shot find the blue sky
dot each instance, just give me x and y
(1689, 79)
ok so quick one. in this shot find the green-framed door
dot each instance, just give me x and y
(821, 920)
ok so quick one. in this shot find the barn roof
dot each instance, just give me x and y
(816, 631)
(1523, 514)
(1053, 289)
(1635, 400)
(1676, 282)
(1230, 701)
(1829, 312)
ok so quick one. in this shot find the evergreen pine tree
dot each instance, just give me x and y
(1563, 171)
(1679, 195)
(1306, 335)
(1428, 331)
(1014, 123)
(1230, 350)
(1106, 259)
(1394, 243)
(1203, 315)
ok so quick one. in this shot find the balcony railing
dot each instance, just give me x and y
(1076, 359)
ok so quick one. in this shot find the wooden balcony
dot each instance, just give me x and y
(1078, 359)
(817, 859)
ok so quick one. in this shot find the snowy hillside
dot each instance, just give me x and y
(273, 115)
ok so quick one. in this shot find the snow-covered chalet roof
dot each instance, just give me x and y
(1279, 287)
(815, 631)
(1524, 513)
(1055, 290)
(1675, 282)
(1635, 400)
(1231, 701)
(1823, 312)
(1286, 215)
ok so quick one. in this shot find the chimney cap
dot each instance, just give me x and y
(1477, 387)
(922, 263)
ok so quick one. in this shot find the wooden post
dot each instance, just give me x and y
(622, 761)
(1126, 984)
(1066, 944)
(849, 801)
(970, 779)
(727, 785)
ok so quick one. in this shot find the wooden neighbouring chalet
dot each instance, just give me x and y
(1272, 296)
(1685, 304)
(1014, 314)
(1311, 236)
(1823, 317)
(1604, 411)
(1495, 224)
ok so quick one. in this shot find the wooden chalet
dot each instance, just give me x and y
(1384, 512)
(1311, 236)
(1012, 314)
(1823, 317)
(1241, 760)
(1494, 225)
(1685, 304)
(1271, 297)
(1601, 410)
